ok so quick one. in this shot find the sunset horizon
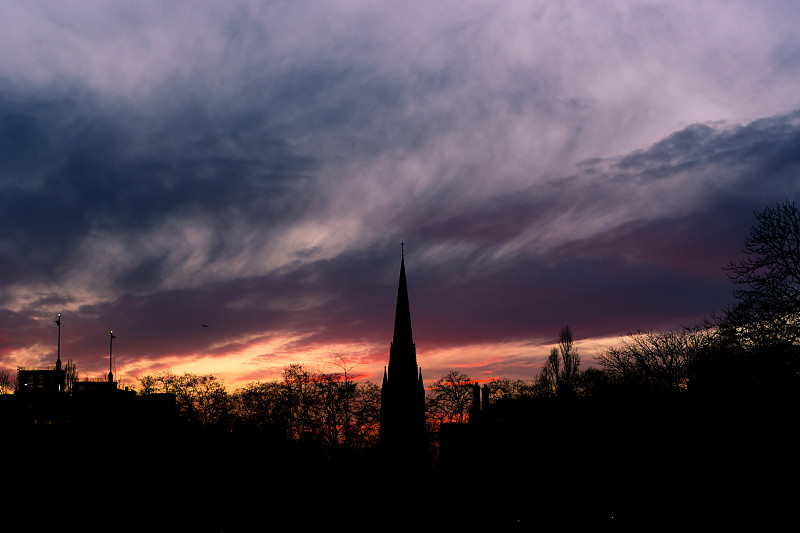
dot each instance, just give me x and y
(254, 169)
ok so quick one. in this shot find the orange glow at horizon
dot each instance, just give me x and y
(264, 360)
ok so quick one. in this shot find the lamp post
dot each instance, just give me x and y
(110, 351)
(58, 357)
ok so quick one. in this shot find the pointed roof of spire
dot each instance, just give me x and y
(402, 315)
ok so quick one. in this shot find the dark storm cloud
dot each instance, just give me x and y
(71, 168)
(639, 269)
(769, 147)
(699, 176)
(635, 242)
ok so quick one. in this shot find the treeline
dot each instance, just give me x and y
(327, 410)
(748, 350)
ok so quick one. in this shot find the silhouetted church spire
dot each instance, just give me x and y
(403, 393)
(403, 339)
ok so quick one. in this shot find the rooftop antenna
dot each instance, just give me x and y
(110, 349)
(58, 357)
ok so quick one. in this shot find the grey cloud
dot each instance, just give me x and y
(330, 301)
(764, 149)
(708, 165)
(191, 142)
(70, 169)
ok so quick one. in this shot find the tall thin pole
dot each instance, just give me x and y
(58, 357)
(110, 350)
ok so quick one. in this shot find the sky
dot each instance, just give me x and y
(254, 166)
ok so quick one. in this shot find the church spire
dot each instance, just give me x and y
(403, 339)
(402, 393)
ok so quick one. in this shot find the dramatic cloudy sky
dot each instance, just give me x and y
(254, 166)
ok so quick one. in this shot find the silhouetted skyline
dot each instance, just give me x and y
(713, 404)
(254, 168)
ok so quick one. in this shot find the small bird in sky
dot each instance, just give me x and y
(204, 325)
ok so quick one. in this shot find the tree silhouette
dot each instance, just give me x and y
(201, 399)
(510, 389)
(329, 411)
(6, 382)
(70, 375)
(560, 373)
(768, 279)
(450, 398)
(657, 362)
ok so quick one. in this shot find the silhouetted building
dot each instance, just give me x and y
(40, 395)
(49, 380)
(42, 380)
(54, 397)
(402, 431)
(91, 386)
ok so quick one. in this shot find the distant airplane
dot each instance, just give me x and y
(204, 325)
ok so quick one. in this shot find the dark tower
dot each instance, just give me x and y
(402, 393)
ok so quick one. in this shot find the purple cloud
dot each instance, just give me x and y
(253, 167)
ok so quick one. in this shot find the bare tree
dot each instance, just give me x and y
(331, 410)
(365, 416)
(70, 375)
(300, 403)
(768, 279)
(660, 363)
(149, 384)
(512, 389)
(560, 372)
(327, 410)
(450, 398)
(259, 404)
(357, 407)
(201, 399)
(6, 382)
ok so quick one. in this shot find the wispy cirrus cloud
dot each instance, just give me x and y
(255, 164)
